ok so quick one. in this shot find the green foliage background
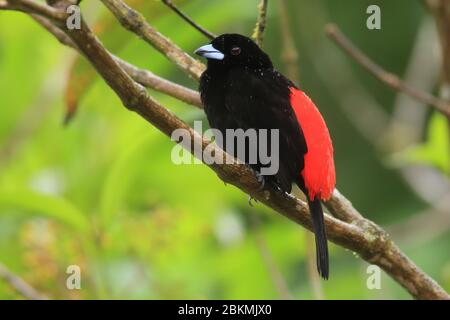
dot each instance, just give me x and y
(102, 193)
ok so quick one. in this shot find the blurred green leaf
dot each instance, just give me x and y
(435, 151)
(36, 204)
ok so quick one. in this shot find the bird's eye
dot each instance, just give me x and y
(235, 51)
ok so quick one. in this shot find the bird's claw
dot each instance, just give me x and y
(262, 183)
(261, 180)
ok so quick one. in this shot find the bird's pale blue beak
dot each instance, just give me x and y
(209, 52)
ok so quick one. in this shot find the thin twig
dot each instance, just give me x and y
(388, 78)
(369, 118)
(261, 22)
(20, 285)
(150, 80)
(409, 116)
(186, 18)
(362, 235)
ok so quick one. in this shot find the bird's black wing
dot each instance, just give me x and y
(260, 99)
(212, 91)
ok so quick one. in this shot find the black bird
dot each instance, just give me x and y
(241, 89)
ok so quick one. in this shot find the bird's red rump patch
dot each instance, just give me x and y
(318, 173)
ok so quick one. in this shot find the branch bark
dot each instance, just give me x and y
(353, 231)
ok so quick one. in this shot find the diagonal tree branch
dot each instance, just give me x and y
(357, 233)
(388, 78)
(150, 80)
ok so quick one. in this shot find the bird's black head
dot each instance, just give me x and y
(231, 50)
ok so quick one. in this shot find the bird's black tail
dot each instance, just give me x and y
(315, 207)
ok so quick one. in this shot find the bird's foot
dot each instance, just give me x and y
(261, 180)
(262, 183)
